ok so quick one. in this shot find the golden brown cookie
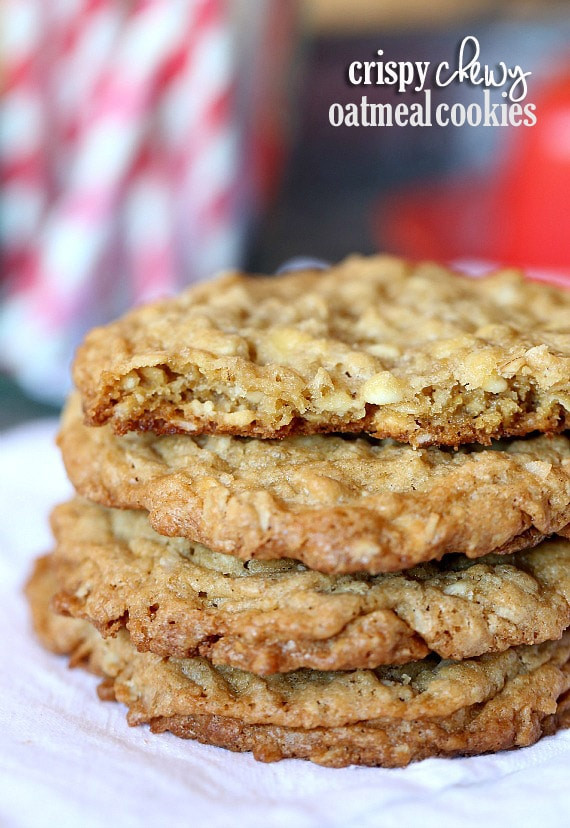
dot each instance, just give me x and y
(408, 351)
(388, 716)
(178, 598)
(336, 504)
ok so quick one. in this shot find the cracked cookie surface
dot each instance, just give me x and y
(334, 503)
(178, 598)
(408, 351)
(388, 716)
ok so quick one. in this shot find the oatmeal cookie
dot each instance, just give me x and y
(408, 351)
(336, 504)
(177, 598)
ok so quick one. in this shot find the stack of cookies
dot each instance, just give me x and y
(322, 515)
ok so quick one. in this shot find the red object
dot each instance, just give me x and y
(520, 216)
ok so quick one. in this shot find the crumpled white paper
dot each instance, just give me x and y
(68, 759)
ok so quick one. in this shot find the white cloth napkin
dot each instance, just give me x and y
(69, 760)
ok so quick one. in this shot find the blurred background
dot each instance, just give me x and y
(146, 144)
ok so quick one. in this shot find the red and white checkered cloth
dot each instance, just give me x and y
(125, 162)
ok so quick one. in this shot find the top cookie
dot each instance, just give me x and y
(413, 352)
